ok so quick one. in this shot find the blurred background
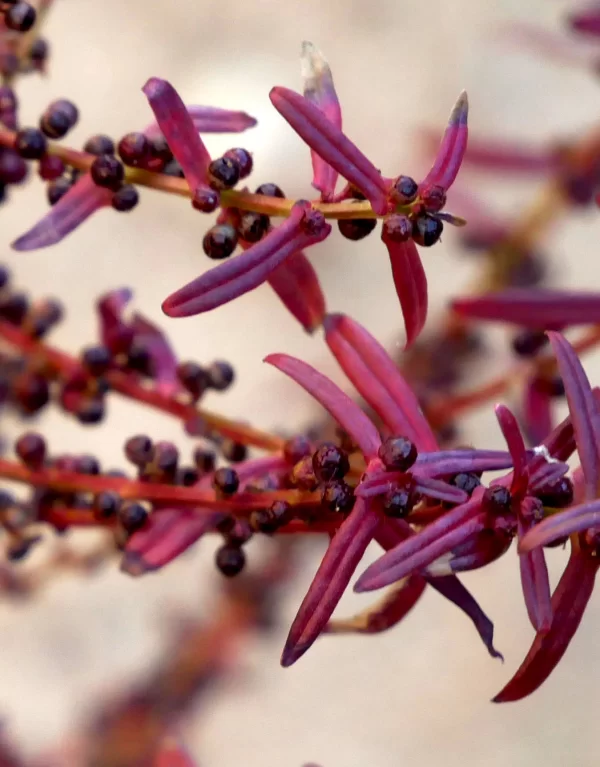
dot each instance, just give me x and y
(419, 694)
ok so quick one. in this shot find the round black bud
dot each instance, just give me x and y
(4, 276)
(139, 450)
(528, 342)
(405, 190)
(205, 460)
(226, 481)
(106, 505)
(165, 457)
(230, 560)
(31, 449)
(220, 241)
(270, 190)
(51, 167)
(220, 375)
(96, 359)
(57, 189)
(356, 228)
(91, 411)
(87, 464)
(31, 392)
(466, 481)
(243, 159)
(397, 453)
(193, 377)
(14, 308)
(234, 451)
(557, 495)
(125, 198)
(497, 500)
(132, 516)
(399, 500)
(427, 230)
(107, 171)
(134, 148)
(138, 357)
(205, 200)
(296, 448)
(330, 462)
(38, 53)
(187, 476)
(20, 17)
(99, 145)
(337, 496)
(55, 124)
(30, 143)
(397, 228)
(434, 198)
(223, 173)
(252, 227)
(160, 150)
(13, 169)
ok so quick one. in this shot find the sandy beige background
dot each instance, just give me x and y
(419, 695)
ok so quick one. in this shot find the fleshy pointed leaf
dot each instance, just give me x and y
(163, 362)
(574, 520)
(346, 412)
(537, 411)
(378, 379)
(477, 552)
(297, 285)
(320, 90)
(534, 575)
(448, 462)
(452, 148)
(211, 120)
(335, 571)
(328, 141)
(303, 228)
(114, 332)
(179, 130)
(440, 490)
(82, 200)
(516, 446)
(410, 282)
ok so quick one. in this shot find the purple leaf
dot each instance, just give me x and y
(587, 21)
(516, 446)
(452, 148)
(346, 412)
(568, 605)
(163, 362)
(447, 462)
(179, 130)
(534, 572)
(506, 157)
(335, 571)
(583, 410)
(297, 285)
(114, 332)
(319, 89)
(328, 141)
(378, 379)
(574, 520)
(538, 308)
(211, 120)
(303, 227)
(410, 282)
(537, 411)
(440, 490)
(548, 474)
(477, 552)
(82, 200)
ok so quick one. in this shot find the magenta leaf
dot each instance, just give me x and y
(114, 332)
(320, 90)
(303, 228)
(297, 285)
(410, 282)
(587, 21)
(378, 379)
(211, 120)
(534, 571)
(537, 411)
(477, 552)
(82, 200)
(163, 362)
(447, 462)
(491, 154)
(440, 490)
(334, 148)
(538, 308)
(568, 605)
(179, 130)
(516, 446)
(346, 412)
(331, 579)
(452, 148)
(583, 409)
(574, 520)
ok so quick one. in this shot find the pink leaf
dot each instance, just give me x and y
(452, 148)
(574, 520)
(211, 120)
(514, 440)
(537, 411)
(297, 285)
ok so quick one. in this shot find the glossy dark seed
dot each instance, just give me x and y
(14, 308)
(91, 411)
(399, 501)
(427, 230)
(132, 516)
(243, 159)
(134, 148)
(39, 51)
(434, 198)
(88, 464)
(405, 190)
(31, 391)
(397, 453)
(330, 462)
(270, 190)
(234, 451)
(223, 173)
(497, 500)
(31, 449)
(125, 199)
(220, 241)
(466, 481)
(106, 505)
(205, 200)
(107, 171)
(230, 560)
(252, 227)
(139, 450)
(96, 359)
(558, 495)
(20, 17)
(99, 145)
(226, 481)
(13, 169)
(194, 378)
(337, 496)
(205, 460)
(187, 476)
(356, 228)
(51, 167)
(221, 375)
(30, 143)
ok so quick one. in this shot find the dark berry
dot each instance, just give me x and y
(337, 496)
(165, 458)
(397, 453)
(234, 451)
(139, 358)
(397, 228)
(106, 505)
(14, 308)
(220, 375)
(296, 448)
(139, 450)
(4, 276)
(194, 378)
(13, 169)
(96, 359)
(132, 516)
(31, 392)
(57, 189)
(91, 411)
(405, 190)
(223, 173)
(38, 53)
(30, 143)
(99, 145)
(205, 460)
(230, 560)
(253, 226)
(19, 549)
(303, 475)
(497, 500)
(427, 230)
(356, 228)
(20, 17)
(88, 464)
(434, 198)
(226, 481)
(220, 241)
(107, 171)
(134, 148)
(160, 150)
(243, 159)
(529, 342)
(55, 123)
(399, 500)
(187, 476)
(557, 495)
(173, 168)
(31, 449)
(466, 481)
(270, 190)
(205, 200)
(125, 198)
(330, 462)
(51, 167)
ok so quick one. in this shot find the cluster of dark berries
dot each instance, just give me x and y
(18, 15)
